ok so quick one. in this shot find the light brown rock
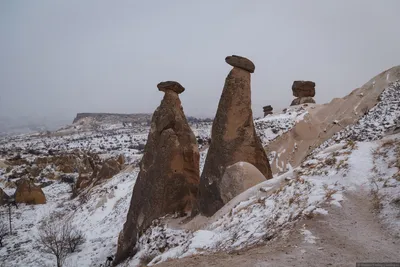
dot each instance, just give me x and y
(29, 193)
(109, 168)
(240, 62)
(233, 139)
(169, 174)
(238, 178)
(302, 100)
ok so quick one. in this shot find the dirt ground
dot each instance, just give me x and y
(348, 234)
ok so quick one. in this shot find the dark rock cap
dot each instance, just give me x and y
(303, 89)
(171, 85)
(267, 108)
(240, 62)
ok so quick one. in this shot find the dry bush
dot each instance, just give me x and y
(59, 238)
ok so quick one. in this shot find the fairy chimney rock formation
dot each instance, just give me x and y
(233, 137)
(169, 171)
(267, 110)
(304, 91)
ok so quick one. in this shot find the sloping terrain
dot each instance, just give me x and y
(323, 121)
(334, 199)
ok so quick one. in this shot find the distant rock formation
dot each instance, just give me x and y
(169, 171)
(29, 193)
(304, 91)
(114, 117)
(267, 110)
(233, 136)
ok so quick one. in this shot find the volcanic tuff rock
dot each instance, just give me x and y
(29, 193)
(303, 89)
(169, 171)
(302, 100)
(240, 62)
(233, 139)
(238, 178)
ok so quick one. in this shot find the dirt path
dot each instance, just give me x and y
(343, 237)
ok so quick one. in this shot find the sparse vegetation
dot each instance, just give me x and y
(59, 238)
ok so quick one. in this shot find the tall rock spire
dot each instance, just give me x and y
(169, 171)
(233, 136)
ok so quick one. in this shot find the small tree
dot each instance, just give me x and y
(3, 232)
(59, 238)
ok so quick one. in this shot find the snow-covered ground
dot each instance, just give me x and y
(362, 157)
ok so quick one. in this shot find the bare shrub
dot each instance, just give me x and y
(59, 238)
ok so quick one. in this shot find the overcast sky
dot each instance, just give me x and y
(58, 58)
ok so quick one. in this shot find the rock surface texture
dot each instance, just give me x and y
(29, 193)
(169, 171)
(233, 140)
(238, 178)
(302, 100)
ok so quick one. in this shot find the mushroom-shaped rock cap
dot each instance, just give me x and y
(171, 85)
(240, 62)
(267, 108)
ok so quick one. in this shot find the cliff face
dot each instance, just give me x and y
(114, 117)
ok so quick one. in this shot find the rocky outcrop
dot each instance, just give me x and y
(302, 100)
(238, 178)
(267, 110)
(109, 168)
(169, 171)
(233, 140)
(304, 91)
(114, 117)
(29, 193)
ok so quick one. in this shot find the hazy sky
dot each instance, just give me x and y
(58, 58)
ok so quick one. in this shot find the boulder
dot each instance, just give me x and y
(3, 197)
(109, 168)
(240, 62)
(302, 100)
(29, 193)
(267, 108)
(238, 178)
(169, 173)
(303, 89)
(234, 139)
(170, 85)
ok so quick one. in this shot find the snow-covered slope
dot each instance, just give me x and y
(362, 157)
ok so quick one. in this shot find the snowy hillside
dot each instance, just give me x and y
(363, 158)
